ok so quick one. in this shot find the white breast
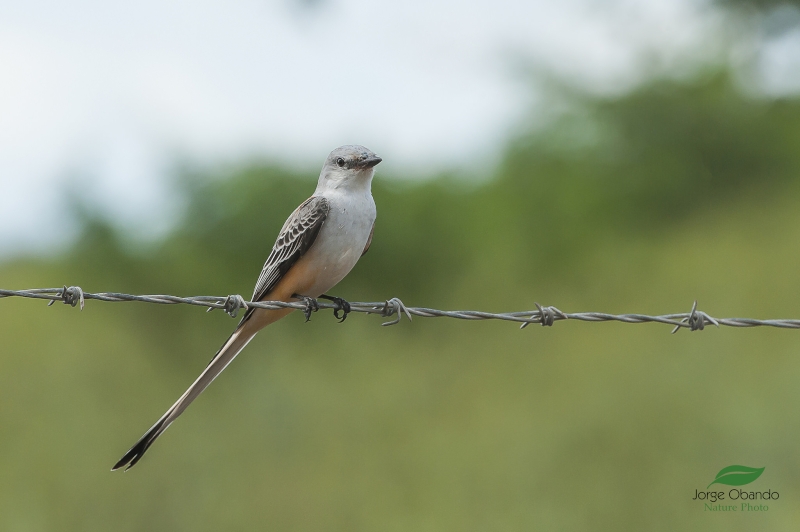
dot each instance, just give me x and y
(342, 239)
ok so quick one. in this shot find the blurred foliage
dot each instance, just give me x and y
(638, 203)
(763, 5)
(633, 165)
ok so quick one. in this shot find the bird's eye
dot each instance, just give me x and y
(339, 162)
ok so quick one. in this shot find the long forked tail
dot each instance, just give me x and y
(237, 341)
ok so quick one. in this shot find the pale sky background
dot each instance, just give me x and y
(107, 96)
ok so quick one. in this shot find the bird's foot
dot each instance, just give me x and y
(341, 305)
(311, 305)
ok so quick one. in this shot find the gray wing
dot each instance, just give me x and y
(296, 237)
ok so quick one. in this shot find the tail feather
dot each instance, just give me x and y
(137, 451)
(237, 341)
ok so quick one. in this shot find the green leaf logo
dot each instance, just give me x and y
(737, 475)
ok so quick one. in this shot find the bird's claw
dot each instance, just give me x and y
(311, 306)
(342, 305)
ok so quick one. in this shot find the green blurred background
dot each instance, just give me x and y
(638, 202)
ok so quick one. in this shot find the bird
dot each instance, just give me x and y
(316, 248)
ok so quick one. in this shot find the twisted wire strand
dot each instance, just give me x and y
(693, 320)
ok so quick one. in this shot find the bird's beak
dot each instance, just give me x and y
(369, 162)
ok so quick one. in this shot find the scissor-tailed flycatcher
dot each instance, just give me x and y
(318, 245)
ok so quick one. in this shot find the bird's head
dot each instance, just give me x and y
(348, 166)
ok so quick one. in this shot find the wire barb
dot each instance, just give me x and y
(233, 304)
(695, 320)
(547, 316)
(391, 307)
(70, 296)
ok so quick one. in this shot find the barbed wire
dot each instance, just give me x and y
(693, 320)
